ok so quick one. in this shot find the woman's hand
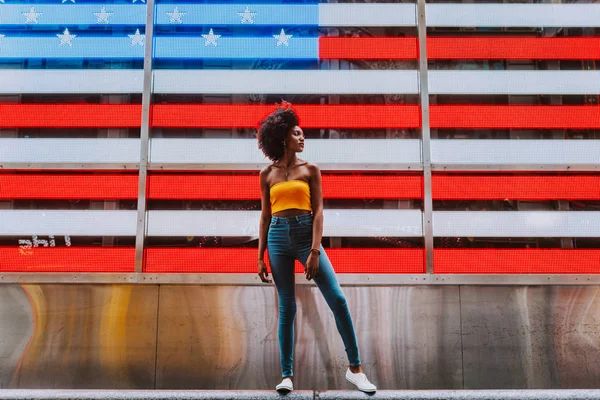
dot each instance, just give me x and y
(263, 273)
(312, 266)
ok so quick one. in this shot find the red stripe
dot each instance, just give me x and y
(68, 186)
(335, 186)
(457, 48)
(67, 259)
(516, 48)
(243, 260)
(516, 261)
(246, 187)
(527, 187)
(515, 116)
(70, 115)
(368, 48)
(311, 116)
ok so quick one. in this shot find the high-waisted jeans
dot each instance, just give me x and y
(290, 238)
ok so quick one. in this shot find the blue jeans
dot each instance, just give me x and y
(290, 238)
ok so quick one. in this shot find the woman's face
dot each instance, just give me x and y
(295, 139)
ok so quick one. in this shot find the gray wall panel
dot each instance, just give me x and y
(79, 336)
(531, 337)
(225, 337)
(16, 329)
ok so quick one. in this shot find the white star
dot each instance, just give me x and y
(247, 16)
(282, 38)
(176, 16)
(103, 16)
(211, 38)
(66, 37)
(31, 16)
(137, 38)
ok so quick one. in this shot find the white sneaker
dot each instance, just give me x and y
(361, 381)
(286, 385)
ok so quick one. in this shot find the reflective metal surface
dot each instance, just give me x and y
(531, 337)
(225, 337)
(78, 336)
(16, 328)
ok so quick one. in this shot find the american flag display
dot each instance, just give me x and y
(509, 133)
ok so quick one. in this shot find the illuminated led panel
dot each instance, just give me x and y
(245, 187)
(67, 259)
(516, 261)
(243, 260)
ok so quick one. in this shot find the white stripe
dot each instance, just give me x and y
(339, 222)
(69, 151)
(18, 81)
(347, 223)
(284, 82)
(345, 14)
(516, 223)
(300, 82)
(67, 222)
(243, 154)
(517, 154)
(507, 15)
(514, 82)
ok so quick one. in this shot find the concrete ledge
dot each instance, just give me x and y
(42, 394)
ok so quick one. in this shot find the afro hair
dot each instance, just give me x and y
(274, 129)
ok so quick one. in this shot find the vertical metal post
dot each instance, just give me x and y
(140, 235)
(425, 136)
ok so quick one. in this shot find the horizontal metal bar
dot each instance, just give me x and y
(65, 166)
(513, 82)
(498, 152)
(512, 15)
(104, 81)
(67, 222)
(516, 223)
(345, 14)
(344, 279)
(68, 151)
(282, 81)
(13, 81)
(340, 223)
(243, 154)
(514, 167)
(324, 165)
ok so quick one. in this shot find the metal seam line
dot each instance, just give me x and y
(226, 279)
(144, 140)
(425, 137)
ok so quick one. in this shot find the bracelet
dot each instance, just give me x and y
(317, 250)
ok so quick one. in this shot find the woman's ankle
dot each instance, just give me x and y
(357, 369)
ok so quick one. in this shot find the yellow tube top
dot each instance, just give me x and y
(290, 194)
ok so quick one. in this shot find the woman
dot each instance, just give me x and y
(291, 226)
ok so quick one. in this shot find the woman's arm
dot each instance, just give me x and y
(265, 215)
(316, 195)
